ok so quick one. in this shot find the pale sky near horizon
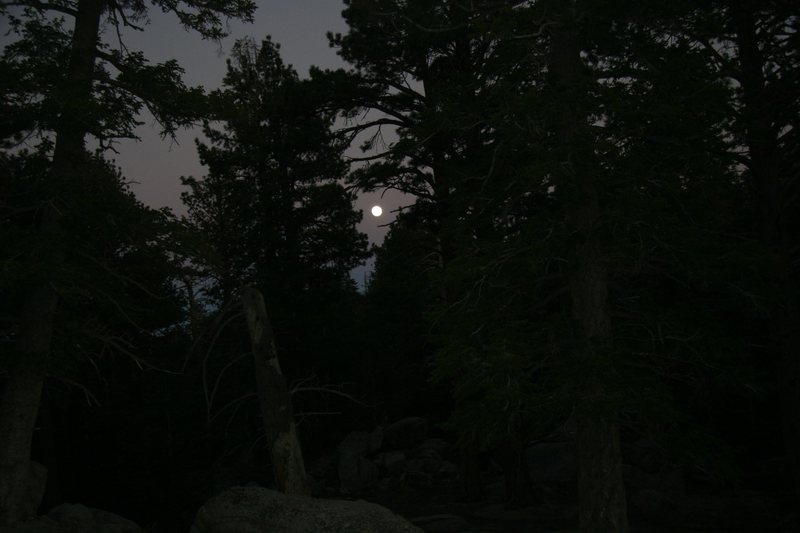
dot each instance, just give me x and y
(155, 165)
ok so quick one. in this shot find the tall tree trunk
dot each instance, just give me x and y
(602, 504)
(276, 403)
(469, 447)
(469, 454)
(48, 451)
(766, 164)
(22, 482)
(511, 455)
(20, 490)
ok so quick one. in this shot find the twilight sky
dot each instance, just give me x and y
(155, 165)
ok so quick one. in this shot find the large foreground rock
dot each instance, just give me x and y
(259, 510)
(75, 518)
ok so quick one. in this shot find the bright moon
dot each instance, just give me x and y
(376, 210)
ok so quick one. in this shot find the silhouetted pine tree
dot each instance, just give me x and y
(74, 85)
(275, 210)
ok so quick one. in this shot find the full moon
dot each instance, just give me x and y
(376, 210)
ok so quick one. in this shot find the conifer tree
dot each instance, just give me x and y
(421, 68)
(753, 47)
(594, 130)
(617, 101)
(275, 209)
(74, 85)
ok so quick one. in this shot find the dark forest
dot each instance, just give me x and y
(587, 318)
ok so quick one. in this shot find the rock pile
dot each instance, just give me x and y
(401, 453)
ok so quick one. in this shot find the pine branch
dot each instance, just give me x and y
(42, 6)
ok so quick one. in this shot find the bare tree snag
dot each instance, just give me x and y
(274, 399)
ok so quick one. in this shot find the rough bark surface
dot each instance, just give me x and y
(273, 395)
(21, 484)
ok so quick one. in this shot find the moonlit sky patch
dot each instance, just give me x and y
(155, 165)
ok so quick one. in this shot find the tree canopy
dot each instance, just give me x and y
(600, 257)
